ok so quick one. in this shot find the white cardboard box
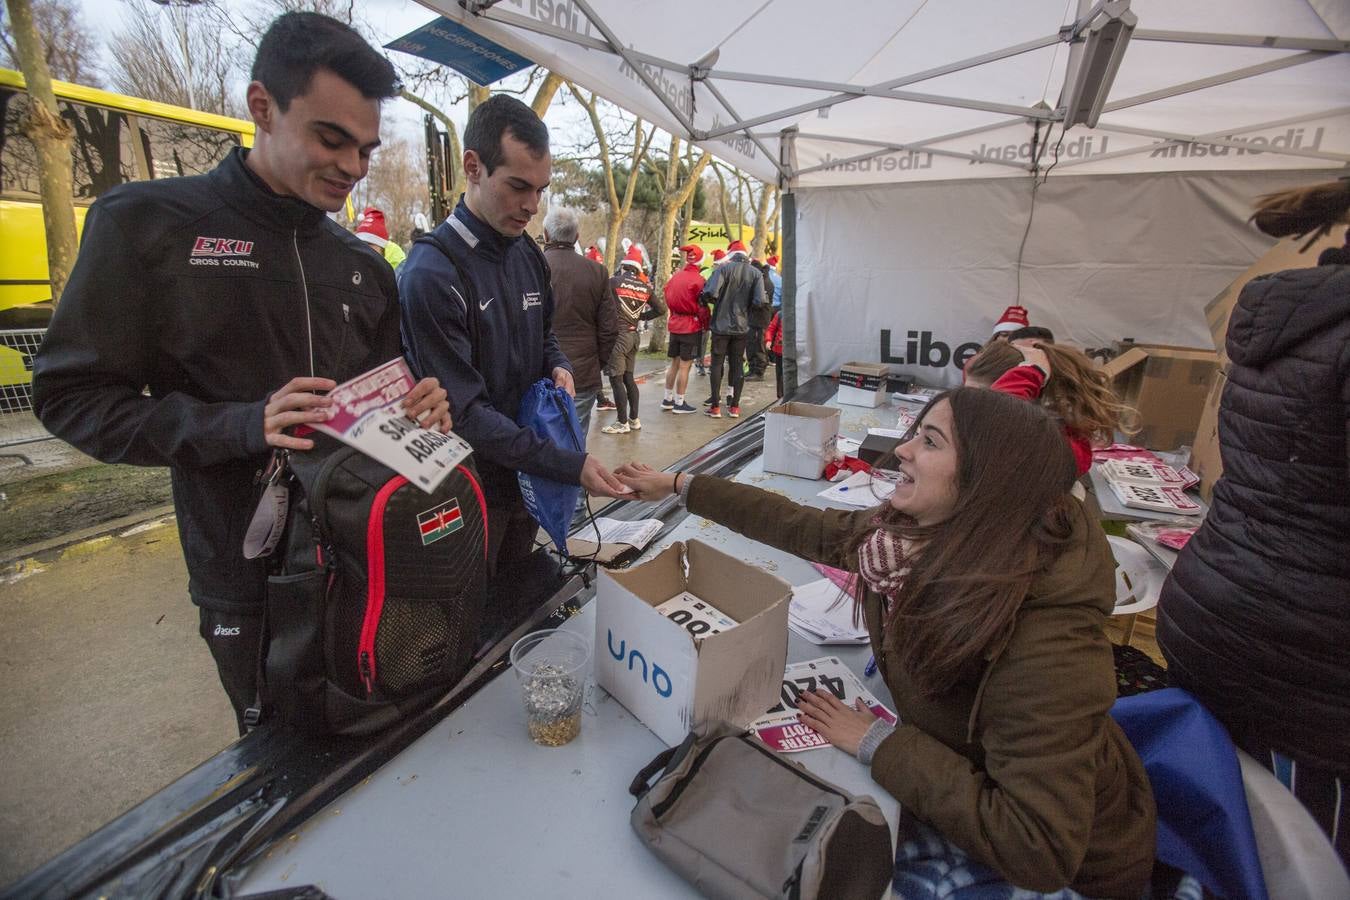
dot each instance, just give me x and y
(800, 438)
(654, 667)
(862, 383)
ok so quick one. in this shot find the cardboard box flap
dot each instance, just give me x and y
(711, 570)
(1124, 362)
(866, 368)
(704, 572)
(805, 410)
(651, 582)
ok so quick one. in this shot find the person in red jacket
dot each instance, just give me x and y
(773, 342)
(686, 328)
(1062, 379)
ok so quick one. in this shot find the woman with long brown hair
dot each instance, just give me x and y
(1061, 379)
(1255, 618)
(984, 587)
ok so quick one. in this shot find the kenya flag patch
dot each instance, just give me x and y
(435, 524)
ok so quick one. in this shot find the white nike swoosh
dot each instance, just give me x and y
(483, 306)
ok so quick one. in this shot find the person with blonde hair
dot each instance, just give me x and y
(1255, 618)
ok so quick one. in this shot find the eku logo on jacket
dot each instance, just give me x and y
(216, 251)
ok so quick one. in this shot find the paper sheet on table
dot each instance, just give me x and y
(616, 538)
(859, 490)
(887, 432)
(613, 531)
(823, 614)
(782, 730)
(847, 446)
(367, 415)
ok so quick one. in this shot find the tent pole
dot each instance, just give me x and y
(787, 163)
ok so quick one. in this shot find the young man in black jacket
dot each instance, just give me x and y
(238, 303)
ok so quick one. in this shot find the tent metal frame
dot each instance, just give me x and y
(1309, 50)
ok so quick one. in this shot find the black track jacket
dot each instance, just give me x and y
(213, 292)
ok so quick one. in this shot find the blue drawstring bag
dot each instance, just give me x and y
(548, 411)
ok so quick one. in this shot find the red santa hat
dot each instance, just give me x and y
(773, 261)
(693, 253)
(633, 258)
(1013, 318)
(371, 227)
(594, 254)
(719, 255)
(736, 247)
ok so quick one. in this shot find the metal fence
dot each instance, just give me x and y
(18, 425)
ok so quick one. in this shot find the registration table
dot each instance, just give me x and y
(475, 809)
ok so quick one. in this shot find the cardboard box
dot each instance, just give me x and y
(863, 383)
(800, 438)
(1285, 255)
(655, 668)
(1168, 386)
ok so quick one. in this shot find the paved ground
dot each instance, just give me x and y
(109, 693)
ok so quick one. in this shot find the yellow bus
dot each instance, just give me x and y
(115, 139)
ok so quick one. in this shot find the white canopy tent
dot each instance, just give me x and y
(931, 178)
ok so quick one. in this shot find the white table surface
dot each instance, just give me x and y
(475, 809)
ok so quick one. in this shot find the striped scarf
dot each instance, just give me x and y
(881, 563)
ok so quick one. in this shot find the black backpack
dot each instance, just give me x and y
(376, 607)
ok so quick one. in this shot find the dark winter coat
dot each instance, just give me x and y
(212, 292)
(584, 317)
(736, 287)
(1255, 620)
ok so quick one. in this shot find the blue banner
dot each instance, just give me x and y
(449, 43)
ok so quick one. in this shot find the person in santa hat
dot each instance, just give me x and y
(1013, 318)
(636, 303)
(372, 230)
(686, 328)
(594, 255)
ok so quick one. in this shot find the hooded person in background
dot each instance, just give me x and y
(372, 230)
(635, 302)
(735, 289)
(309, 306)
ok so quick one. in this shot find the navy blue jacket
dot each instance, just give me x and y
(487, 342)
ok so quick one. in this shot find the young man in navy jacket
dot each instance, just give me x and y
(238, 303)
(478, 312)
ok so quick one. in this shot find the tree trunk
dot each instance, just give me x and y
(544, 96)
(678, 194)
(761, 223)
(50, 134)
(477, 94)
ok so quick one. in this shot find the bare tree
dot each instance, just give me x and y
(396, 185)
(678, 185)
(69, 47)
(618, 208)
(51, 137)
(174, 54)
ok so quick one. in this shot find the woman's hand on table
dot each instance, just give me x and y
(649, 483)
(843, 726)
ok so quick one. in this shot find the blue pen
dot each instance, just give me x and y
(843, 487)
(871, 668)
